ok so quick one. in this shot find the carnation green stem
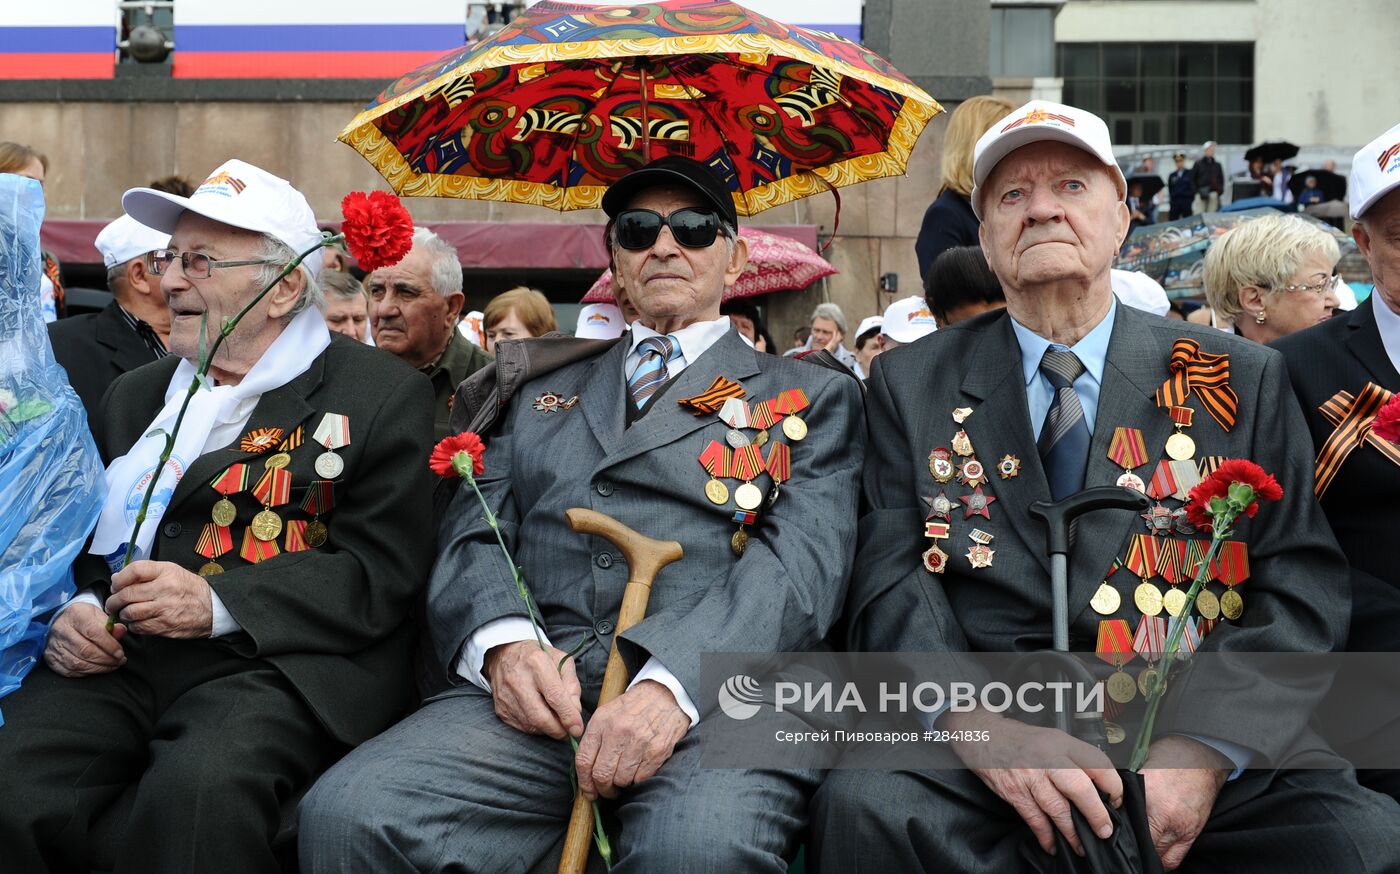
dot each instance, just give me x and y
(200, 375)
(462, 463)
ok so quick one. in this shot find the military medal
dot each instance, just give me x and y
(748, 464)
(1187, 477)
(1209, 464)
(712, 398)
(962, 445)
(1148, 599)
(940, 506)
(552, 402)
(1142, 560)
(1179, 445)
(971, 473)
(1169, 561)
(320, 498)
(1115, 646)
(333, 433)
(273, 490)
(279, 460)
(1009, 466)
(779, 467)
(1207, 604)
(259, 440)
(735, 414)
(1174, 601)
(940, 464)
(935, 559)
(715, 460)
(293, 440)
(1128, 450)
(977, 504)
(1114, 732)
(255, 549)
(1190, 636)
(739, 541)
(788, 404)
(1231, 567)
(214, 541)
(762, 416)
(1150, 642)
(230, 482)
(980, 555)
(1159, 520)
(1106, 600)
(961, 413)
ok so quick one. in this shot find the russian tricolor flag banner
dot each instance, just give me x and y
(60, 39)
(312, 39)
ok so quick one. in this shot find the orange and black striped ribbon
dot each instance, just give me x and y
(260, 439)
(1127, 448)
(715, 459)
(711, 399)
(231, 481)
(748, 463)
(296, 535)
(1231, 565)
(320, 497)
(1115, 642)
(792, 401)
(763, 416)
(1352, 418)
(275, 487)
(255, 550)
(1204, 374)
(1192, 554)
(1142, 556)
(1170, 560)
(214, 541)
(293, 440)
(779, 462)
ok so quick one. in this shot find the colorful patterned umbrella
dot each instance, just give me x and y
(776, 263)
(568, 98)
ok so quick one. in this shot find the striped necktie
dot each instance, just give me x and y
(651, 373)
(1064, 438)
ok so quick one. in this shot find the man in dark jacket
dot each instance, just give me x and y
(1208, 178)
(1180, 188)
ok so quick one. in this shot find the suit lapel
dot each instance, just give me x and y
(1135, 367)
(730, 356)
(284, 408)
(1000, 425)
(128, 349)
(1364, 341)
(606, 385)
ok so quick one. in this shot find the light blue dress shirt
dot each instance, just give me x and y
(1092, 351)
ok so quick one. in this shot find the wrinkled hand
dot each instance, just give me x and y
(79, 643)
(163, 599)
(1181, 779)
(629, 739)
(530, 693)
(1073, 775)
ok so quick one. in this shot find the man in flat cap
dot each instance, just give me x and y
(478, 779)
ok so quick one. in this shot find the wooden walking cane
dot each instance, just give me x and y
(645, 559)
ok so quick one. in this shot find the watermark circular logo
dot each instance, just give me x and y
(740, 697)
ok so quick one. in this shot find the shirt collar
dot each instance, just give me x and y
(694, 338)
(1092, 349)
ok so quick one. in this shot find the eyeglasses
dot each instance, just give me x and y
(692, 228)
(1329, 284)
(196, 265)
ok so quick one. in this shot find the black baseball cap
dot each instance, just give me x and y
(673, 170)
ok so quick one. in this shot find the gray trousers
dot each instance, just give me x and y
(949, 822)
(452, 788)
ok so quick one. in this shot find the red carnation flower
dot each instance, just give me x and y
(450, 456)
(1387, 422)
(378, 230)
(1217, 485)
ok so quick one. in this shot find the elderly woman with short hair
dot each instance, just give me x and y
(1272, 276)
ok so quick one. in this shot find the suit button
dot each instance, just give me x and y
(603, 626)
(604, 487)
(604, 560)
(173, 529)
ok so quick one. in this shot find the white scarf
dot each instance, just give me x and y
(289, 356)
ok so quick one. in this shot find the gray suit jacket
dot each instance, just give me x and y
(1296, 599)
(783, 594)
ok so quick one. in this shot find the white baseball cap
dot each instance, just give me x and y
(1375, 171)
(908, 319)
(236, 194)
(126, 238)
(1038, 121)
(869, 323)
(469, 326)
(599, 321)
(1139, 291)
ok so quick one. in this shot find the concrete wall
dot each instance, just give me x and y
(1324, 72)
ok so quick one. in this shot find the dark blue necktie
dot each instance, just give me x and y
(1064, 438)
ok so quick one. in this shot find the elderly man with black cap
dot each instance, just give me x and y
(261, 627)
(478, 779)
(1063, 390)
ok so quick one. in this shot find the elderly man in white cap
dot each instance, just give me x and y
(261, 628)
(132, 330)
(1060, 391)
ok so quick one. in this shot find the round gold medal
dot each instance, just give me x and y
(223, 512)
(1145, 681)
(761, 438)
(1121, 687)
(1174, 601)
(211, 569)
(1180, 447)
(316, 533)
(266, 526)
(329, 465)
(1231, 605)
(1148, 599)
(1114, 732)
(1207, 604)
(748, 497)
(739, 542)
(794, 428)
(1106, 600)
(717, 492)
(278, 461)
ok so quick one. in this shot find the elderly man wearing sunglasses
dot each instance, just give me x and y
(480, 775)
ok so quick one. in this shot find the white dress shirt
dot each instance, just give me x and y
(693, 340)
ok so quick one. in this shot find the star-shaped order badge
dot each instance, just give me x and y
(977, 504)
(940, 506)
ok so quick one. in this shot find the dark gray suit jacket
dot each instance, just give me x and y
(1296, 599)
(94, 349)
(783, 594)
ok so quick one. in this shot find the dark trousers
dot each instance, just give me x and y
(1180, 209)
(213, 744)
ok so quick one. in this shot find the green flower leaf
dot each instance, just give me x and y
(28, 409)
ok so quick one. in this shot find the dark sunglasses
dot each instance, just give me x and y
(692, 228)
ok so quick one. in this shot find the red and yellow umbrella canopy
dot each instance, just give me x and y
(568, 98)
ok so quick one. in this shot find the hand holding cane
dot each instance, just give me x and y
(645, 558)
